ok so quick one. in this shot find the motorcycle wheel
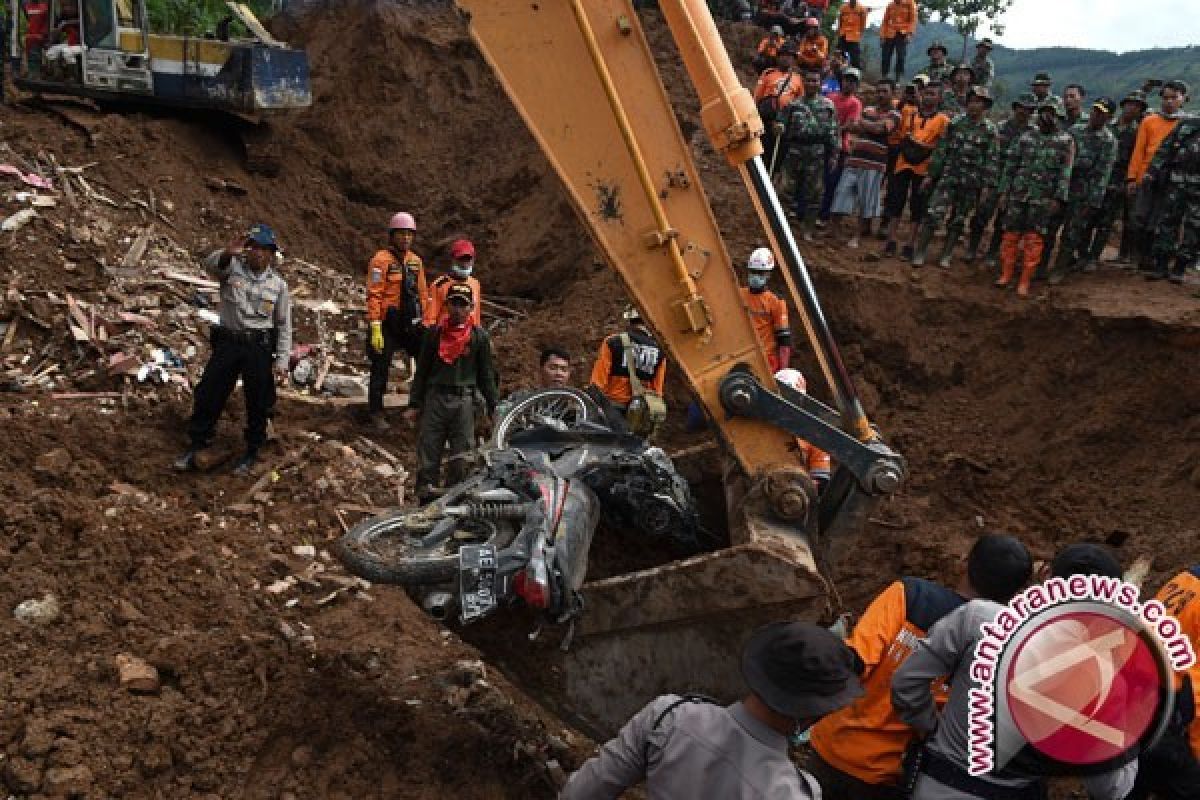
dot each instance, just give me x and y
(384, 549)
(558, 408)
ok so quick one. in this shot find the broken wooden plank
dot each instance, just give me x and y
(494, 306)
(85, 395)
(10, 334)
(191, 280)
(378, 450)
(138, 249)
(322, 372)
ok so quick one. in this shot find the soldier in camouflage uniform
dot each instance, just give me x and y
(1041, 86)
(1116, 206)
(985, 213)
(954, 98)
(961, 167)
(982, 68)
(810, 129)
(939, 68)
(1033, 189)
(1095, 155)
(1175, 171)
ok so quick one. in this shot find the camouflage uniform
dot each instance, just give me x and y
(1095, 154)
(962, 166)
(1115, 207)
(1175, 171)
(1037, 172)
(811, 132)
(939, 72)
(985, 71)
(951, 106)
(985, 213)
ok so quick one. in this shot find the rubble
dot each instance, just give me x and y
(136, 675)
(38, 612)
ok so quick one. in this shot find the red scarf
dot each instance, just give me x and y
(453, 340)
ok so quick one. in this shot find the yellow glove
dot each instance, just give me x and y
(377, 336)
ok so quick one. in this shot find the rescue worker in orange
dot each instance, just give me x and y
(610, 374)
(812, 51)
(899, 25)
(396, 291)
(858, 750)
(462, 254)
(812, 458)
(1153, 131)
(775, 90)
(768, 49)
(767, 310)
(1171, 769)
(852, 21)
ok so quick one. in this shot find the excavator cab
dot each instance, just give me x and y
(615, 143)
(105, 50)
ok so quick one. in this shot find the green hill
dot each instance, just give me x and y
(1101, 71)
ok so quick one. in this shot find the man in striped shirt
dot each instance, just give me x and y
(860, 190)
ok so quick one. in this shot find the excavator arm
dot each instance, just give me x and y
(583, 77)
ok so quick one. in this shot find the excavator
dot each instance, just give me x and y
(582, 75)
(104, 50)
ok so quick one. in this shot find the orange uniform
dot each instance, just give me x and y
(815, 460)
(899, 17)
(780, 84)
(1181, 598)
(611, 370)
(769, 314)
(812, 51)
(867, 739)
(926, 130)
(1151, 133)
(435, 307)
(769, 46)
(852, 21)
(391, 284)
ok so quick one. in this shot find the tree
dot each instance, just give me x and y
(968, 15)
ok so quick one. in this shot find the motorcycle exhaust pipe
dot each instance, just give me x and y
(439, 605)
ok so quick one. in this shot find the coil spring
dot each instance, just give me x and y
(498, 511)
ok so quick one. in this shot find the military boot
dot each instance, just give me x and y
(973, 243)
(1160, 268)
(1178, 271)
(948, 250)
(923, 239)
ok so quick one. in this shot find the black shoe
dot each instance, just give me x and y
(246, 464)
(889, 249)
(906, 252)
(186, 462)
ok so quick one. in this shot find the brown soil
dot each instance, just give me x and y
(1074, 415)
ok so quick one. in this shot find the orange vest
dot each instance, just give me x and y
(435, 308)
(1151, 133)
(866, 739)
(782, 86)
(900, 17)
(852, 21)
(1181, 598)
(386, 282)
(769, 314)
(812, 52)
(927, 131)
(611, 371)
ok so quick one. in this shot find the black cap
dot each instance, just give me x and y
(1105, 104)
(985, 42)
(460, 292)
(800, 670)
(1041, 78)
(1085, 558)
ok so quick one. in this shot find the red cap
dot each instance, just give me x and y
(462, 248)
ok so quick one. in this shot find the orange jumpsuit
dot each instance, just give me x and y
(386, 279)
(769, 314)
(899, 17)
(435, 308)
(866, 739)
(852, 22)
(780, 84)
(1181, 597)
(611, 370)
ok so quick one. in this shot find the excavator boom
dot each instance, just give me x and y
(582, 75)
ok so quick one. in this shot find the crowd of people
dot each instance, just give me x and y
(1037, 194)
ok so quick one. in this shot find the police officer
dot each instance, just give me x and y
(685, 746)
(255, 331)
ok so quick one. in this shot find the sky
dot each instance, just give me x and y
(1118, 25)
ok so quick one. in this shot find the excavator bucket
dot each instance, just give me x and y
(582, 75)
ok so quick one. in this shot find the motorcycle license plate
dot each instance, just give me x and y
(477, 581)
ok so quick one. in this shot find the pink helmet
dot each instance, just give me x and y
(402, 221)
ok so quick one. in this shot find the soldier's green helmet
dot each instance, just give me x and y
(1054, 103)
(1027, 100)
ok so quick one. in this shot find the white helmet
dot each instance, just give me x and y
(761, 260)
(793, 379)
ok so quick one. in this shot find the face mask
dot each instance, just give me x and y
(461, 271)
(757, 281)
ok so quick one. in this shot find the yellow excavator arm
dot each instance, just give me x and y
(582, 75)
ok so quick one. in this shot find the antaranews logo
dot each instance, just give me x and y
(1075, 674)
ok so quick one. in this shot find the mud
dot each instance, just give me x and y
(1072, 416)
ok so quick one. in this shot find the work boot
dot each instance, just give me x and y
(889, 248)
(1008, 259)
(852, 243)
(187, 461)
(246, 463)
(1033, 245)
(923, 239)
(1088, 266)
(906, 252)
(1179, 270)
(974, 241)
